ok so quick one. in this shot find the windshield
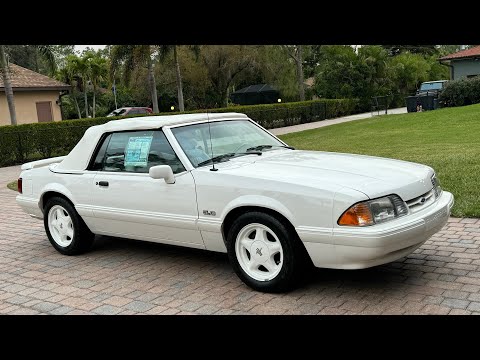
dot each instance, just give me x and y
(228, 137)
(431, 86)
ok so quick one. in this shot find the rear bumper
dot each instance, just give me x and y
(357, 248)
(30, 206)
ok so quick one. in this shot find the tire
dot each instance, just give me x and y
(266, 254)
(66, 230)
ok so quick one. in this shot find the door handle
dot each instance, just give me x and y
(103, 183)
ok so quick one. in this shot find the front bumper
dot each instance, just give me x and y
(357, 248)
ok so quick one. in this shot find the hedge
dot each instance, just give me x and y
(27, 142)
(461, 92)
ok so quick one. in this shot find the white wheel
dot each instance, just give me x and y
(259, 252)
(60, 225)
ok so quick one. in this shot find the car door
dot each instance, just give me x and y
(129, 203)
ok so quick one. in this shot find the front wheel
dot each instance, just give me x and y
(65, 229)
(265, 253)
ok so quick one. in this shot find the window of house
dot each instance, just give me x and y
(135, 151)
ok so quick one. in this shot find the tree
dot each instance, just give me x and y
(97, 71)
(61, 53)
(276, 68)
(395, 50)
(311, 58)
(296, 53)
(80, 68)
(47, 53)
(374, 67)
(39, 58)
(409, 71)
(338, 74)
(128, 57)
(224, 63)
(164, 51)
(7, 85)
(69, 75)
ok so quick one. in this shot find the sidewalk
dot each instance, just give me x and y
(322, 123)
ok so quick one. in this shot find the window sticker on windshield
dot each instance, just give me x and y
(136, 152)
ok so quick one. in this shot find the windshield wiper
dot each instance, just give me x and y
(261, 147)
(227, 156)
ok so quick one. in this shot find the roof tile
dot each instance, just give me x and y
(472, 52)
(25, 78)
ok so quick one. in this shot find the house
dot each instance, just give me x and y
(37, 97)
(463, 64)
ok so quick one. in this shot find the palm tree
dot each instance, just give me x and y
(164, 51)
(68, 74)
(80, 66)
(7, 85)
(97, 71)
(48, 54)
(131, 56)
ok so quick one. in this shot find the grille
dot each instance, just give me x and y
(422, 201)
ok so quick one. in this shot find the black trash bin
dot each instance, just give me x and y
(428, 102)
(411, 103)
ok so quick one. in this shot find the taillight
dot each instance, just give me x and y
(19, 185)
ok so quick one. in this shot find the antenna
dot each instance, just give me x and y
(211, 146)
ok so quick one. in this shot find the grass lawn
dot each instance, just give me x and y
(447, 140)
(13, 185)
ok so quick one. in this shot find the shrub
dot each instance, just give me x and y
(461, 92)
(42, 140)
(26, 142)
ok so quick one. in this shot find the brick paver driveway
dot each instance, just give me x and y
(128, 277)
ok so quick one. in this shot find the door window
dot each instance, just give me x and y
(135, 151)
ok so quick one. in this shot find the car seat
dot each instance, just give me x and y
(194, 152)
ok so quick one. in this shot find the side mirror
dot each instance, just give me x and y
(162, 172)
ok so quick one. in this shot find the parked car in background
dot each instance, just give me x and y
(131, 111)
(431, 87)
(224, 183)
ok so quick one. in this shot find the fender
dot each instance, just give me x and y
(214, 225)
(261, 201)
(212, 228)
(56, 187)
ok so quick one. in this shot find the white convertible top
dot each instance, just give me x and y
(78, 158)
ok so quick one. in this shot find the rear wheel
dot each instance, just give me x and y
(65, 229)
(265, 253)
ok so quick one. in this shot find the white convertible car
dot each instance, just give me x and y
(223, 183)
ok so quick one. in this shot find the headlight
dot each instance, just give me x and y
(436, 186)
(374, 211)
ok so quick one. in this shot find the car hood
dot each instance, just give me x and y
(373, 176)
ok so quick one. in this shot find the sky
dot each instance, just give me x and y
(80, 48)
